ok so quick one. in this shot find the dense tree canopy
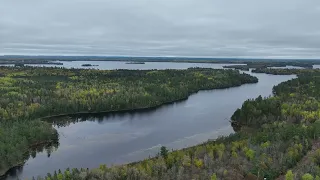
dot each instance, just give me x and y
(297, 100)
(278, 138)
(30, 93)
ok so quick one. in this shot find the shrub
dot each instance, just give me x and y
(307, 176)
(289, 175)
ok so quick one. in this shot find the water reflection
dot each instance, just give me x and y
(46, 148)
(87, 141)
(101, 118)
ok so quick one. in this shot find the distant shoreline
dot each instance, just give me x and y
(248, 62)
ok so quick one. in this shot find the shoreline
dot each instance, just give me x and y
(4, 173)
(138, 108)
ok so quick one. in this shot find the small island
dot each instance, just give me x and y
(88, 65)
(135, 62)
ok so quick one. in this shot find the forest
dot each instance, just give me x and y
(276, 138)
(29, 94)
(285, 71)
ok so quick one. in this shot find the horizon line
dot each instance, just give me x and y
(188, 57)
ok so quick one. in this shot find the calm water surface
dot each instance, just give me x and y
(108, 65)
(125, 137)
(316, 66)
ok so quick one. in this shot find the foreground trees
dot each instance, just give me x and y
(278, 137)
(30, 93)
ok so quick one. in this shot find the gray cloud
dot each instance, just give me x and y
(216, 28)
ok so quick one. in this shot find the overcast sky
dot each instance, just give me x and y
(213, 28)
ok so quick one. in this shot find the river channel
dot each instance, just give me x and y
(118, 138)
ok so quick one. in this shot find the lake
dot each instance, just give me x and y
(316, 66)
(109, 65)
(118, 138)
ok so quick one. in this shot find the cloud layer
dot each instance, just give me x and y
(215, 28)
